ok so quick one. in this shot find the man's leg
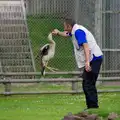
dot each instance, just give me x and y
(89, 84)
(90, 89)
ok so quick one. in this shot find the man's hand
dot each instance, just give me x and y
(87, 66)
(87, 56)
(55, 32)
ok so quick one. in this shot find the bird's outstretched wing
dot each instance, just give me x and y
(44, 50)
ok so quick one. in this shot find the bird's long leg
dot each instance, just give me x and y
(42, 67)
(43, 71)
(50, 68)
(46, 65)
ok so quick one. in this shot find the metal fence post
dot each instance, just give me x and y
(98, 24)
(76, 18)
(76, 13)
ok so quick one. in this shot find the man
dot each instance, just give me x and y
(87, 55)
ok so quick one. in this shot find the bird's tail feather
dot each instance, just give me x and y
(43, 71)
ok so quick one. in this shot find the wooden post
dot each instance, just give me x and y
(7, 86)
(75, 85)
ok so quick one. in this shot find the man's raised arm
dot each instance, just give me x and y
(57, 32)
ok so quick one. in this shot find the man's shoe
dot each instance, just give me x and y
(86, 109)
(93, 107)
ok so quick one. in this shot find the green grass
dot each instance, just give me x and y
(39, 29)
(53, 107)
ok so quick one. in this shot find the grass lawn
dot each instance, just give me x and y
(53, 107)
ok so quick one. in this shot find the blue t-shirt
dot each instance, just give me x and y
(80, 36)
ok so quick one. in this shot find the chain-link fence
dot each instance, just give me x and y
(101, 17)
(15, 50)
(25, 25)
(45, 15)
(110, 34)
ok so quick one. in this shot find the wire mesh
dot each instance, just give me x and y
(101, 17)
(14, 42)
(110, 35)
(46, 15)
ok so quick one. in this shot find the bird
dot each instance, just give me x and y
(46, 53)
